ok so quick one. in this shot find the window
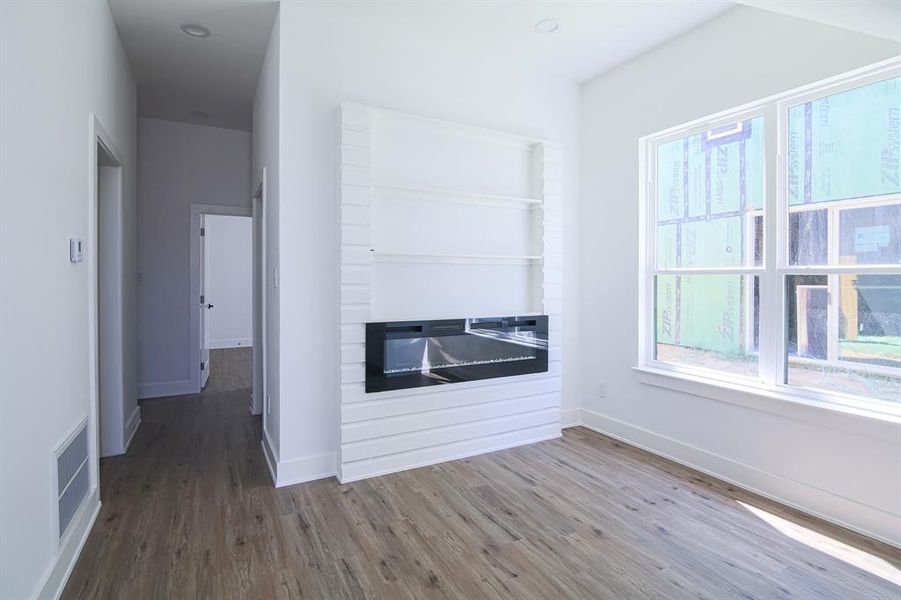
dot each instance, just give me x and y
(773, 243)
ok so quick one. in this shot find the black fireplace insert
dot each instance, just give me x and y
(408, 354)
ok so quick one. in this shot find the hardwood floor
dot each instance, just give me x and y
(190, 512)
(230, 369)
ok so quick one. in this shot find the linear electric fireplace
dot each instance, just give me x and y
(407, 354)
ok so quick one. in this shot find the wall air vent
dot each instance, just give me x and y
(72, 476)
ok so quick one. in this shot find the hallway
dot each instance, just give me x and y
(169, 525)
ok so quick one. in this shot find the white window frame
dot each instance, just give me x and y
(775, 262)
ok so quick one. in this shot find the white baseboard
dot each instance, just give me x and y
(166, 388)
(310, 468)
(298, 470)
(571, 417)
(305, 468)
(59, 570)
(235, 343)
(270, 456)
(839, 510)
(131, 427)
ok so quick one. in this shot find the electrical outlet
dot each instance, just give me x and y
(602, 390)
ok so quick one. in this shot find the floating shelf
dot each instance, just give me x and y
(402, 192)
(462, 259)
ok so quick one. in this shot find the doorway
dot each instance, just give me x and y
(115, 412)
(259, 299)
(227, 312)
(222, 288)
(109, 302)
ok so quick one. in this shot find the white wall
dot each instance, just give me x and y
(266, 155)
(834, 465)
(59, 62)
(330, 55)
(229, 259)
(179, 165)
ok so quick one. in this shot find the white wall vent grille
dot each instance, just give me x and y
(72, 477)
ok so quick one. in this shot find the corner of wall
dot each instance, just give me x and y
(266, 153)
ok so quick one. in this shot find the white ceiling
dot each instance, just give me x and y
(178, 74)
(881, 18)
(594, 35)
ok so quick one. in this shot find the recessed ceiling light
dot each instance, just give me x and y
(547, 25)
(195, 30)
(199, 115)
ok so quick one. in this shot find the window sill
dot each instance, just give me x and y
(822, 409)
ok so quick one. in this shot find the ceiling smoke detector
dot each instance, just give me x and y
(547, 25)
(199, 115)
(195, 30)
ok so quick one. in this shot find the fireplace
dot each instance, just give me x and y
(409, 354)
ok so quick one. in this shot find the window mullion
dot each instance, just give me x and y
(833, 287)
(710, 271)
(772, 316)
(647, 253)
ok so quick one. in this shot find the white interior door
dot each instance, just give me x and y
(205, 306)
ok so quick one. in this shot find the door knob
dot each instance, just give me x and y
(209, 306)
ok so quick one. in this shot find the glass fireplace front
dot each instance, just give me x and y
(408, 354)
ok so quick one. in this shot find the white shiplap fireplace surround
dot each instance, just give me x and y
(441, 220)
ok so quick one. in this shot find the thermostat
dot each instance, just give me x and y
(76, 250)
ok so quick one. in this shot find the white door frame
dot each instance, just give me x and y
(259, 296)
(204, 279)
(115, 339)
(194, 288)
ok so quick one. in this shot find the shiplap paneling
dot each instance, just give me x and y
(409, 187)
(352, 471)
(361, 406)
(386, 426)
(447, 434)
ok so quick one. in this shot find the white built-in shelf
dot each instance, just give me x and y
(404, 192)
(462, 259)
(411, 251)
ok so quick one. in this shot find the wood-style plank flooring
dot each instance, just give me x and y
(230, 369)
(190, 512)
